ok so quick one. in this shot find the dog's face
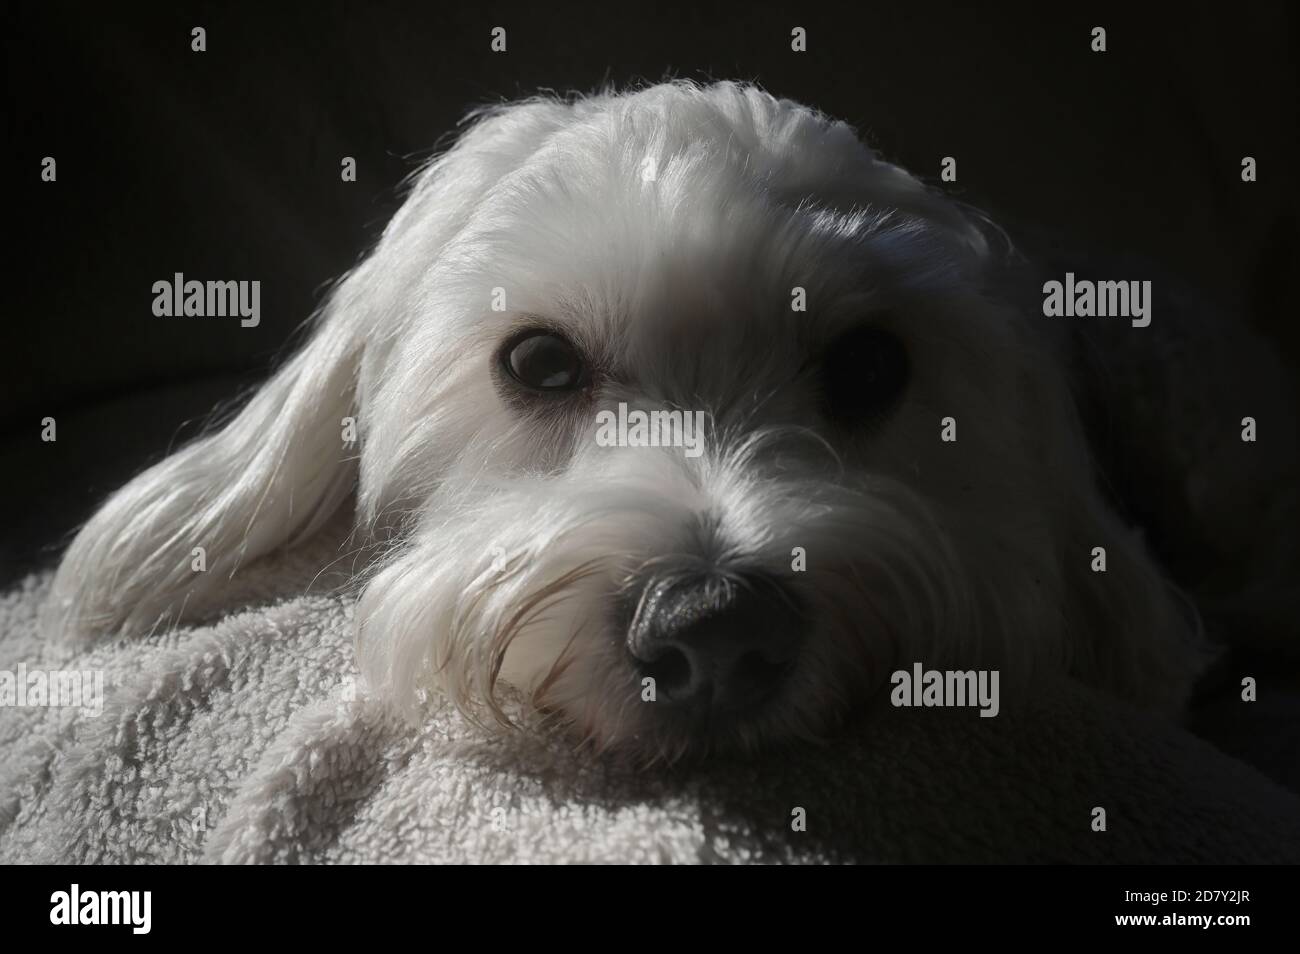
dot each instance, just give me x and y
(713, 252)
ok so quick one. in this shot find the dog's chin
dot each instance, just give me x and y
(548, 640)
(569, 664)
(552, 645)
(521, 585)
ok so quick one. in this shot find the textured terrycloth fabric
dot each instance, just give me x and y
(250, 740)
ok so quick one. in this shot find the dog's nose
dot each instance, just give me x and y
(714, 641)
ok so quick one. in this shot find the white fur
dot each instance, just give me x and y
(974, 553)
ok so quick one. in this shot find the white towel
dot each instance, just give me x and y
(249, 740)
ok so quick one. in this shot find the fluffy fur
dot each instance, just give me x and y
(501, 535)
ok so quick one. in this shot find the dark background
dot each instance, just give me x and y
(225, 165)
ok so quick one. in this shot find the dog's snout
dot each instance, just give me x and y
(713, 641)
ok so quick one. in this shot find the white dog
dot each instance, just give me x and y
(691, 248)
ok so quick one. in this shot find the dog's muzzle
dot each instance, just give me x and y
(715, 643)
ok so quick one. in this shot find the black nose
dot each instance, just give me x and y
(725, 642)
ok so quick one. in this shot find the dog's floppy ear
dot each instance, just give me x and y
(278, 469)
(1128, 628)
(272, 473)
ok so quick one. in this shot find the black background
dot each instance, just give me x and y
(225, 165)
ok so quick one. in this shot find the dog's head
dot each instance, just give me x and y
(887, 466)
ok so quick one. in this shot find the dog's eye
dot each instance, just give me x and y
(544, 361)
(863, 373)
